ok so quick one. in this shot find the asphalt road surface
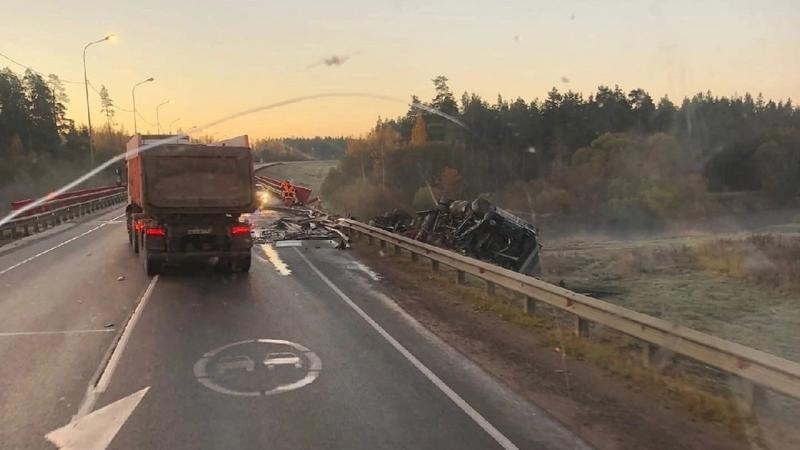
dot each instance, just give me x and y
(308, 350)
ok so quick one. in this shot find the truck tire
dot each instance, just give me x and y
(153, 266)
(224, 265)
(242, 264)
(135, 237)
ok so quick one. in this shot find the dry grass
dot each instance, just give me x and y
(767, 260)
(745, 289)
(307, 173)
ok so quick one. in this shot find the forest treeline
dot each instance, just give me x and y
(40, 148)
(615, 157)
(299, 149)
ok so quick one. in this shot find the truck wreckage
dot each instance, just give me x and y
(477, 229)
(474, 228)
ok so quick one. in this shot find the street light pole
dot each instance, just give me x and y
(133, 96)
(158, 122)
(86, 88)
(171, 123)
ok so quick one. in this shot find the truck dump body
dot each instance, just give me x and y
(192, 179)
(185, 202)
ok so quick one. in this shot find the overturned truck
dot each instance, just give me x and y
(475, 228)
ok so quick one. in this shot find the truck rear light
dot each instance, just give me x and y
(155, 231)
(238, 230)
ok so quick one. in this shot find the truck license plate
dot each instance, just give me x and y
(199, 230)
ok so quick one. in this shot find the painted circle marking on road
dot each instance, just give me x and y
(258, 367)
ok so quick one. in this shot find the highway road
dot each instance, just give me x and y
(308, 350)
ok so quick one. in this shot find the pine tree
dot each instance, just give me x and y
(107, 106)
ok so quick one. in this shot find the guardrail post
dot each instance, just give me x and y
(648, 353)
(581, 327)
(462, 277)
(490, 288)
(383, 244)
(397, 249)
(753, 395)
(370, 240)
(528, 305)
(414, 257)
(434, 265)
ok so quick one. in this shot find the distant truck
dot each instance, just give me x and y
(185, 201)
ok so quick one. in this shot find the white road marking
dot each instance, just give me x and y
(47, 333)
(364, 268)
(108, 370)
(450, 393)
(96, 430)
(208, 379)
(275, 259)
(102, 384)
(295, 243)
(27, 260)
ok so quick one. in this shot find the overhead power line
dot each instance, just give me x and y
(145, 120)
(25, 66)
(97, 91)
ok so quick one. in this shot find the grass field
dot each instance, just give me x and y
(744, 288)
(307, 173)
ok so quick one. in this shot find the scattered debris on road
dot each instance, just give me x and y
(121, 278)
(294, 224)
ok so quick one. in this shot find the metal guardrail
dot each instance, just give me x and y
(26, 226)
(66, 199)
(759, 369)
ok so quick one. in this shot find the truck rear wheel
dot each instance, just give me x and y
(242, 264)
(224, 265)
(153, 266)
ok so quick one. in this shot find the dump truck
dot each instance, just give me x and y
(185, 201)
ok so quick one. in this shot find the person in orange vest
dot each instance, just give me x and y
(288, 191)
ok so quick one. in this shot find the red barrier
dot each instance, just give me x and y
(66, 199)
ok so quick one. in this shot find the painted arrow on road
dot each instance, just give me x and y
(95, 431)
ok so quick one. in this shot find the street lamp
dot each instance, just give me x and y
(171, 123)
(86, 88)
(158, 123)
(133, 95)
